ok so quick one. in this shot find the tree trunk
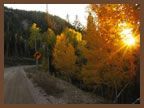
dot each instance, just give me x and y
(35, 51)
(35, 45)
(138, 99)
(36, 63)
(7, 49)
(115, 91)
(118, 95)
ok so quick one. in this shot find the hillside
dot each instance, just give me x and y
(17, 25)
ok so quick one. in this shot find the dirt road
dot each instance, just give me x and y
(18, 89)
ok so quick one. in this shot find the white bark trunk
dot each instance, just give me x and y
(115, 100)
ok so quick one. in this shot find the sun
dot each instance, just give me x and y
(129, 41)
(128, 37)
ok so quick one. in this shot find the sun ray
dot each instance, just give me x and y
(114, 53)
(110, 56)
(126, 49)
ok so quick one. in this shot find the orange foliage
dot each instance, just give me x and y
(108, 61)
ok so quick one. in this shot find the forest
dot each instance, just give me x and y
(17, 25)
(102, 58)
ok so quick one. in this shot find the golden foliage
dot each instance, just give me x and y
(64, 56)
(105, 54)
(73, 36)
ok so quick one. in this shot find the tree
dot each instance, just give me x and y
(78, 26)
(35, 38)
(110, 17)
(118, 18)
(108, 67)
(67, 18)
(64, 57)
(93, 52)
(48, 41)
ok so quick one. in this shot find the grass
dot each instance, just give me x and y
(44, 80)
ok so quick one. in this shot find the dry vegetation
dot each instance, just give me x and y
(60, 89)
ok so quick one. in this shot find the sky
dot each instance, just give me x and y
(60, 10)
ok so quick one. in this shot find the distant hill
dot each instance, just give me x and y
(17, 24)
